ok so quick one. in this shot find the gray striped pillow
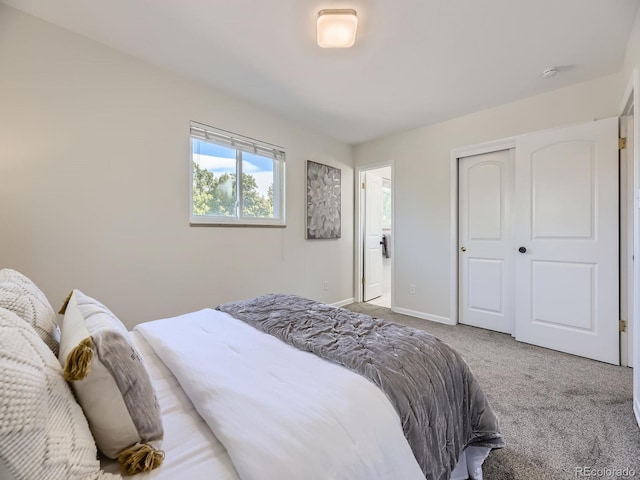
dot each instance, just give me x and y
(111, 383)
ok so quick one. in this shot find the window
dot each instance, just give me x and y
(235, 180)
(386, 203)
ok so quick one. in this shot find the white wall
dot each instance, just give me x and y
(94, 182)
(422, 171)
(632, 54)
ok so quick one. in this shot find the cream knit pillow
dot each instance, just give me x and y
(43, 433)
(21, 296)
(111, 383)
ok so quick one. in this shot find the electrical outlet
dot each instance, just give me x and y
(326, 285)
(412, 289)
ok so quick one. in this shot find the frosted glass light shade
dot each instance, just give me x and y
(337, 28)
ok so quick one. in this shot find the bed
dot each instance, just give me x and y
(263, 388)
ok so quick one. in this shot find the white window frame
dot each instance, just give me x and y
(241, 144)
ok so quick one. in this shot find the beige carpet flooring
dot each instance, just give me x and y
(558, 413)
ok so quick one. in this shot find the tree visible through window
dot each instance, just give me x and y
(218, 196)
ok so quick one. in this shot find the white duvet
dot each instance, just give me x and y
(281, 413)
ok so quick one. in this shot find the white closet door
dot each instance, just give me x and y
(485, 247)
(566, 224)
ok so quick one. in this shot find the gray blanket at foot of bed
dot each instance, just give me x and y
(440, 404)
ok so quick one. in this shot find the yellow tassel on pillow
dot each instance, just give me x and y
(78, 364)
(142, 457)
(63, 309)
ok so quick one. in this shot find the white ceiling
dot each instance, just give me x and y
(415, 62)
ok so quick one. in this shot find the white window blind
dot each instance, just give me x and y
(239, 142)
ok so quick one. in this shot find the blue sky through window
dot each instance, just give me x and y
(220, 159)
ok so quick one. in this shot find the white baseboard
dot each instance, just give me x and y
(342, 303)
(424, 316)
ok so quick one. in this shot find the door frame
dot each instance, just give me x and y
(456, 155)
(360, 202)
(630, 103)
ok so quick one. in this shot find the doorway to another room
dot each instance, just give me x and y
(376, 223)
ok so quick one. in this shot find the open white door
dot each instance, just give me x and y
(631, 326)
(372, 236)
(630, 129)
(567, 239)
(485, 246)
(627, 235)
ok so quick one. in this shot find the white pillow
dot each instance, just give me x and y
(43, 433)
(21, 296)
(111, 383)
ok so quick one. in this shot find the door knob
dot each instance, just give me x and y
(463, 249)
(522, 249)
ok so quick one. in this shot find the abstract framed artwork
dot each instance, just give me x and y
(323, 201)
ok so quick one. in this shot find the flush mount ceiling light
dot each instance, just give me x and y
(337, 28)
